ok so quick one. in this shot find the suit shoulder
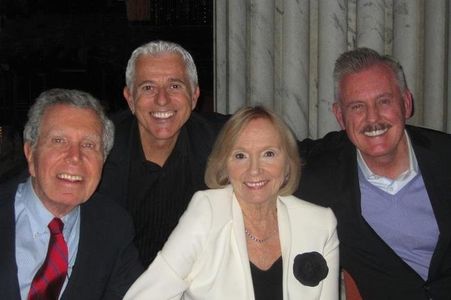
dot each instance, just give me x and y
(424, 134)
(9, 187)
(218, 202)
(107, 211)
(216, 198)
(304, 208)
(206, 122)
(331, 143)
(121, 116)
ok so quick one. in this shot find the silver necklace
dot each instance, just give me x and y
(255, 239)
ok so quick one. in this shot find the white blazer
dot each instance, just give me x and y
(206, 255)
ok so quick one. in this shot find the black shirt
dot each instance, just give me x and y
(157, 196)
(268, 284)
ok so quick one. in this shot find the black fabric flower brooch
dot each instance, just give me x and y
(310, 268)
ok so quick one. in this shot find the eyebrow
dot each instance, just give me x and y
(92, 136)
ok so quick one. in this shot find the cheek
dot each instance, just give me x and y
(41, 165)
(234, 171)
(354, 122)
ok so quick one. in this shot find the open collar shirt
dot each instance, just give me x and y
(391, 186)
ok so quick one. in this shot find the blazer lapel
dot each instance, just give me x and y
(238, 228)
(285, 237)
(438, 185)
(87, 255)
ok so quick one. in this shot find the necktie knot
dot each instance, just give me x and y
(56, 226)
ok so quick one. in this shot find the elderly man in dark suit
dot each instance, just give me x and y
(161, 145)
(388, 183)
(58, 242)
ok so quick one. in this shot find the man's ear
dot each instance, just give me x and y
(336, 108)
(195, 97)
(28, 151)
(128, 95)
(407, 98)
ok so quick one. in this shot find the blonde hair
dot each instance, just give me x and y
(216, 175)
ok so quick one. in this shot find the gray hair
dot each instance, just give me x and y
(155, 48)
(75, 98)
(357, 60)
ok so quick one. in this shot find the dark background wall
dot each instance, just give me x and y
(85, 44)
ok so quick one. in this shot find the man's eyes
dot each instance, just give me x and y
(58, 140)
(357, 106)
(88, 145)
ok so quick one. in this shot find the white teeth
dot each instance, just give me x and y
(162, 114)
(69, 177)
(375, 132)
(255, 184)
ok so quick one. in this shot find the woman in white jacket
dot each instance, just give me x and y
(248, 237)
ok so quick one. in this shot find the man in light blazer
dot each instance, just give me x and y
(67, 138)
(389, 184)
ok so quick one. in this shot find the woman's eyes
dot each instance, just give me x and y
(239, 156)
(269, 153)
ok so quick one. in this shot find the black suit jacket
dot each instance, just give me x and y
(106, 263)
(330, 178)
(201, 129)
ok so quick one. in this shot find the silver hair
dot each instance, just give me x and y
(155, 48)
(75, 98)
(356, 60)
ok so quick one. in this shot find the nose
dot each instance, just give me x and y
(162, 97)
(73, 154)
(372, 113)
(255, 166)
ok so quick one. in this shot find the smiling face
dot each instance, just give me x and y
(162, 98)
(66, 163)
(257, 164)
(373, 111)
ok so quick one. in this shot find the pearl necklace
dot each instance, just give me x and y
(255, 239)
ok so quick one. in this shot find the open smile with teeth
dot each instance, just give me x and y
(373, 133)
(69, 177)
(162, 114)
(256, 184)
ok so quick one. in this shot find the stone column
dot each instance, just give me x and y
(434, 106)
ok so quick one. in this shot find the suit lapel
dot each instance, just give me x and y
(437, 181)
(86, 256)
(238, 227)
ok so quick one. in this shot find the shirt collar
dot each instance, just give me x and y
(407, 175)
(180, 149)
(38, 214)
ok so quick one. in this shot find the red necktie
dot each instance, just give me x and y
(49, 279)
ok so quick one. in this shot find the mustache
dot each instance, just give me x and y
(375, 127)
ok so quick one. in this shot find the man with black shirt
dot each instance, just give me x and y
(161, 146)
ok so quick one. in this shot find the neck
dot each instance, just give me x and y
(392, 165)
(157, 151)
(261, 212)
(260, 220)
